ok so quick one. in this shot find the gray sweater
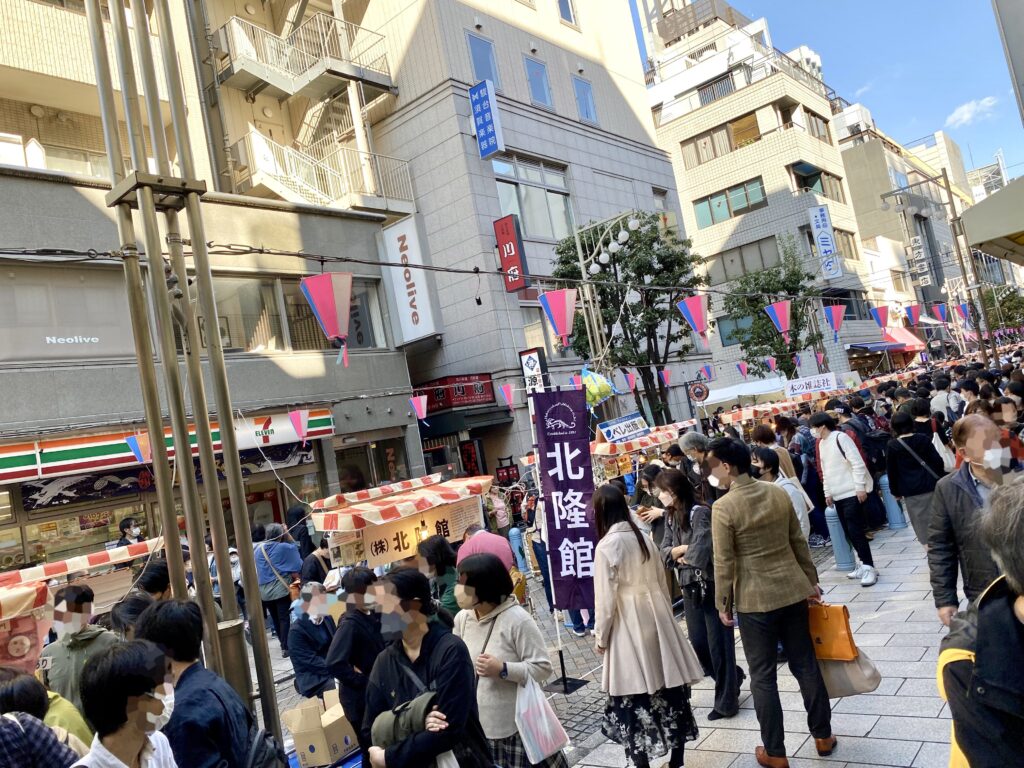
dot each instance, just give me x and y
(515, 640)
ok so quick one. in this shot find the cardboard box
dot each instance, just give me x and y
(321, 738)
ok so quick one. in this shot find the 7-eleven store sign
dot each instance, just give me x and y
(90, 453)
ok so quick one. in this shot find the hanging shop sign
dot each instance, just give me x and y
(567, 481)
(483, 101)
(386, 543)
(698, 391)
(457, 392)
(60, 457)
(823, 382)
(510, 253)
(825, 241)
(535, 368)
(624, 428)
(472, 454)
(410, 289)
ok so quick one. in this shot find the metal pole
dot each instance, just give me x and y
(218, 371)
(137, 307)
(165, 331)
(953, 222)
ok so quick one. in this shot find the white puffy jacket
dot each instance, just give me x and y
(843, 471)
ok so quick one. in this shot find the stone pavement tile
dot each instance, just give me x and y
(744, 742)
(706, 698)
(919, 706)
(887, 687)
(698, 759)
(933, 755)
(907, 668)
(869, 594)
(874, 611)
(896, 652)
(605, 756)
(873, 752)
(919, 687)
(930, 640)
(749, 761)
(929, 627)
(883, 585)
(924, 614)
(946, 713)
(869, 640)
(746, 720)
(912, 729)
(792, 701)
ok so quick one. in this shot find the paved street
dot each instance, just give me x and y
(903, 723)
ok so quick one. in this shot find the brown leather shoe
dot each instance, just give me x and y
(827, 746)
(763, 758)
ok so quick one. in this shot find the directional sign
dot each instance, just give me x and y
(486, 120)
(825, 242)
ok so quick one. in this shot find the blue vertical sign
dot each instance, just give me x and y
(486, 121)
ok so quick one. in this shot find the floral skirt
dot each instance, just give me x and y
(650, 725)
(510, 753)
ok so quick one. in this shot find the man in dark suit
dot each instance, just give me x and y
(309, 640)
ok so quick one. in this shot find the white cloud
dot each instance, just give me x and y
(862, 90)
(971, 111)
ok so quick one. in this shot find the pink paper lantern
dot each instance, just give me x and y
(779, 314)
(330, 297)
(560, 309)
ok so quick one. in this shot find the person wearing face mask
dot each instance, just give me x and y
(124, 695)
(204, 719)
(764, 465)
(422, 655)
(131, 533)
(436, 561)
(695, 446)
(126, 612)
(673, 456)
(755, 533)
(309, 641)
(355, 647)
(954, 540)
(77, 641)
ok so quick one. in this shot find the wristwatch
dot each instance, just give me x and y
(504, 670)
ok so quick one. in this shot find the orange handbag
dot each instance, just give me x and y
(830, 631)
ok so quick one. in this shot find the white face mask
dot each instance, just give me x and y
(136, 531)
(75, 623)
(994, 458)
(165, 696)
(666, 498)
(816, 433)
(714, 482)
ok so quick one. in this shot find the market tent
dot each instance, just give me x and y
(995, 225)
(106, 557)
(754, 388)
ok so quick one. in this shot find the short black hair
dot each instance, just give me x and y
(822, 419)
(732, 452)
(488, 577)
(357, 580)
(155, 578)
(113, 676)
(409, 585)
(768, 457)
(969, 385)
(259, 533)
(674, 451)
(920, 407)
(126, 612)
(438, 553)
(125, 524)
(762, 433)
(942, 383)
(901, 393)
(21, 692)
(902, 424)
(174, 625)
(1015, 388)
(74, 594)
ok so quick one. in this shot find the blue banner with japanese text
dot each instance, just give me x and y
(567, 484)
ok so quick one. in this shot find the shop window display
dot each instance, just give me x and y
(79, 534)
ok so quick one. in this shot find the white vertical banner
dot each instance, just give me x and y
(825, 242)
(413, 311)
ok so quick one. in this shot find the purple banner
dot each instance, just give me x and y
(567, 483)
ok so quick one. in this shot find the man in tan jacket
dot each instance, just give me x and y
(764, 571)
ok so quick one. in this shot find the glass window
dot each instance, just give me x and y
(503, 167)
(538, 199)
(743, 131)
(727, 328)
(755, 192)
(561, 215)
(508, 199)
(737, 199)
(79, 534)
(364, 331)
(660, 199)
(389, 460)
(481, 51)
(249, 318)
(719, 207)
(12, 554)
(354, 471)
(751, 258)
(733, 264)
(555, 177)
(306, 487)
(567, 11)
(6, 507)
(535, 211)
(769, 252)
(716, 270)
(537, 77)
(702, 210)
(530, 171)
(690, 157)
(365, 325)
(584, 100)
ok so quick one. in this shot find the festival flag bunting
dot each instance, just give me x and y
(695, 311)
(914, 314)
(666, 377)
(506, 392)
(560, 308)
(834, 315)
(779, 315)
(707, 372)
(419, 407)
(963, 309)
(771, 363)
(881, 315)
(631, 381)
(940, 312)
(300, 421)
(330, 297)
(820, 357)
(139, 443)
(742, 367)
(577, 381)
(796, 361)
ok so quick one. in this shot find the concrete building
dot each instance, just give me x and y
(748, 129)
(1010, 20)
(988, 179)
(71, 392)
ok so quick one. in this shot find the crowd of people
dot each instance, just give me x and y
(430, 655)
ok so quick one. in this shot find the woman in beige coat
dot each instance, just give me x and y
(648, 663)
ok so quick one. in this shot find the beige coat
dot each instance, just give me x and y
(645, 649)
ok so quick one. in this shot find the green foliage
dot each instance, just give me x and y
(1007, 312)
(753, 292)
(644, 327)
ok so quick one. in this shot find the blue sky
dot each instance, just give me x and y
(918, 65)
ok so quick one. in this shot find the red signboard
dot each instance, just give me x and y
(457, 391)
(472, 454)
(510, 252)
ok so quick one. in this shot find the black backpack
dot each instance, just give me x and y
(264, 751)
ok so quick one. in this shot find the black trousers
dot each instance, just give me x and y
(717, 646)
(854, 521)
(279, 615)
(761, 634)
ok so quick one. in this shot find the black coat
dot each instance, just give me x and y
(954, 540)
(210, 724)
(983, 680)
(699, 553)
(443, 666)
(906, 475)
(313, 568)
(308, 644)
(353, 651)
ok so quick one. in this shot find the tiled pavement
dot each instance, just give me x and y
(903, 723)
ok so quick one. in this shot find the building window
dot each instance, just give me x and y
(248, 315)
(6, 507)
(77, 161)
(846, 243)
(817, 126)
(727, 327)
(854, 301)
(585, 100)
(716, 89)
(365, 324)
(721, 140)
(567, 10)
(537, 77)
(744, 260)
(537, 193)
(731, 202)
(485, 66)
(818, 181)
(660, 199)
(899, 281)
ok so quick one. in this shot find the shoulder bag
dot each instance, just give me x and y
(920, 461)
(830, 632)
(293, 587)
(848, 678)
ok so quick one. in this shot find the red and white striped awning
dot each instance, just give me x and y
(356, 517)
(659, 436)
(341, 500)
(22, 599)
(48, 571)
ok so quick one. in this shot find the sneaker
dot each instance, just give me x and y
(579, 632)
(856, 573)
(816, 541)
(869, 577)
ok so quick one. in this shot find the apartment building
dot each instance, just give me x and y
(70, 384)
(749, 131)
(988, 179)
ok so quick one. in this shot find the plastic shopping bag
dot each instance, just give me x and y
(446, 760)
(539, 728)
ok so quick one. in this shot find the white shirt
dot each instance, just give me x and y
(155, 754)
